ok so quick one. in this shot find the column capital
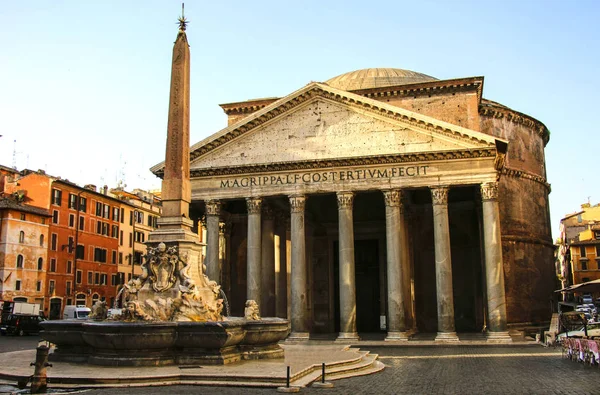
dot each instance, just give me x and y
(344, 200)
(393, 197)
(254, 205)
(213, 207)
(297, 203)
(439, 195)
(489, 191)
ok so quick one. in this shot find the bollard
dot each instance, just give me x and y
(39, 381)
(322, 383)
(287, 388)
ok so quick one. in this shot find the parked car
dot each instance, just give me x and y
(76, 312)
(21, 324)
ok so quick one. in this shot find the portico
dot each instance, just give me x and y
(343, 213)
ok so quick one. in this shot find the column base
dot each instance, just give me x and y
(397, 336)
(498, 337)
(320, 384)
(446, 337)
(297, 337)
(347, 337)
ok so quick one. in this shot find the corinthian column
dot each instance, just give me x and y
(396, 325)
(213, 211)
(253, 263)
(346, 265)
(443, 265)
(494, 270)
(268, 263)
(299, 287)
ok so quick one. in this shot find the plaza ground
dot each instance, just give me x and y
(460, 369)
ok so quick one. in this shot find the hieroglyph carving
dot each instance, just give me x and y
(344, 200)
(439, 195)
(254, 205)
(489, 191)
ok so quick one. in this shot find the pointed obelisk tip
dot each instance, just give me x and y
(182, 21)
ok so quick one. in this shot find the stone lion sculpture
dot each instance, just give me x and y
(251, 312)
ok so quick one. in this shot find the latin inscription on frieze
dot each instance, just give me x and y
(317, 177)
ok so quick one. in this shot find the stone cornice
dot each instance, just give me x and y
(427, 88)
(494, 110)
(510, 172)
(344, 162)
(247, 107)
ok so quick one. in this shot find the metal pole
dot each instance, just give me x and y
(323, 372)
(287, 381)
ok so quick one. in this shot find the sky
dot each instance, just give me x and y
(84, 85)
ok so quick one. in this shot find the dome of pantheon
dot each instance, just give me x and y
(377, 78)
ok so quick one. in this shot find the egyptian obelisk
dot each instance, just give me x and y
(174, 226)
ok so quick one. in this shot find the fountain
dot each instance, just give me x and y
(173, 311)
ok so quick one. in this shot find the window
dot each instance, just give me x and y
(40, 264)
(120, 258)
(99, 227)
(98, 209)
(54, 216)
(22, 216)
(131, 218)
(43, 221)
(137, 258)
(584, 265)
(598, 251)
(38, 286)
(106, 211)
(113, 280)
(78, 276)
(97, 278)
(121, 237)
(41, 240)
(18, 285)
(51, 287)
(72, 201)
(105, 228)
(54, 241)
(138, 216)
(56, 196)
(140, 237)
(582, 251)
(128, 277)
(103, 279)
(19, 261)
(99, 255)
(69, 266)
(130, 239)
(71, 244)
(115, 231)
(80, 252)
(80, 300)
(81, 223)
(68, 288)
(114, 257)
(71, 220)
(122, 215)
(52, 265)
(82, 204)
(116, 213)
(21, 237)
(90, 278)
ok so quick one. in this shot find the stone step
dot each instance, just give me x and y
(367, 364)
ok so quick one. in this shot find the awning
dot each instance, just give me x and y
(588, 287)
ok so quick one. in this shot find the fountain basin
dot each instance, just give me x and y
(114, 343)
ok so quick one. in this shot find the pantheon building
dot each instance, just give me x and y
(379, 201)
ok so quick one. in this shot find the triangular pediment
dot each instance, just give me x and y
(320, 123)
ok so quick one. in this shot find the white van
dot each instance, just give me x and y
(76, 312)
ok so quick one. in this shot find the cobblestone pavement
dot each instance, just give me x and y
(444, 370)
(16, 343)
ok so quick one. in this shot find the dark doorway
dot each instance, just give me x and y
(366, 260)
(55, 305)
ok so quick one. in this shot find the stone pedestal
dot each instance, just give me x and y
(346, 265)
(254, 247)
(396, 324)
(443, 266)
(494, 270)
